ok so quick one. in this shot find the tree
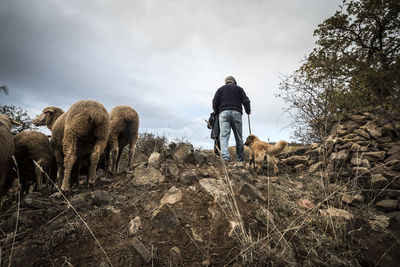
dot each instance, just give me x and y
(355, 67)
(18, 114)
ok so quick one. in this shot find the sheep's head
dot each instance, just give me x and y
(8, 121)
(48, 117)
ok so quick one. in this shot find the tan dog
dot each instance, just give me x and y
(260, 151)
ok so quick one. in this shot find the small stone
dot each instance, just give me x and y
(134, 226)
(253, 192)
(378, 181)
(154, 159)
(172, 196)
(314, 167)
(387, 205)
(164, 217)
(332, 212)
(141, 249)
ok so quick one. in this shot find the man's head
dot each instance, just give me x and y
(230, 80)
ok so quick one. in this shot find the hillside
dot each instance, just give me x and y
(182, 207)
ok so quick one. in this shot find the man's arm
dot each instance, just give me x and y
(215, 102)
(245, 102)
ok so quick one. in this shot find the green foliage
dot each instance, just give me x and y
(355, 66)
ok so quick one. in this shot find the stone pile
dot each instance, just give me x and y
(364, 148)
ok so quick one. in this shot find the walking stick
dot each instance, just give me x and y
(248, 119)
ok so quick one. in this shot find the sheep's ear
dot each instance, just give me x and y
(48, 110)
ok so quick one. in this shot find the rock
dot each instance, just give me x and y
(394, 150)
(35, 202)
(173, 169)
(172, 196)
(393, 159)
(378, 181)
(373, 129)
(305, 204)
(340, 156)
(355, 117)
(384, 139)
(141, 249)
(332, 212)
(315, 167)
(360, 171)
(353, 200)
(215, 187)
(189, 177)
(199, 158)
(164, 217)
(146, 177)
(295, 160)
(183, 152)
(253, 192)
(81, 201)
(175, 256)
(355, 147)
(374, 155)
(387, 205)
(356, 160)
(264, 216)
(299, 167)
(154, 160)
(362, 133)
(134, 226)
(101, 197)
(351, 125)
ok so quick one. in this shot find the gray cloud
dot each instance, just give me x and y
(164, 58)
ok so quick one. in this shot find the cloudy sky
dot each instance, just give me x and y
(163, 58)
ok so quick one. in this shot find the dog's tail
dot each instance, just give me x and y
(277, 148)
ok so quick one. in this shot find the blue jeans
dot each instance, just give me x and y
(231, 119)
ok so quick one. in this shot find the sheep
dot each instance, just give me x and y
(29, 146)
(124, 127)
(81, 132)
(6, 151)
(54, 119)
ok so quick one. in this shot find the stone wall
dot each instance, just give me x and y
(363, 149)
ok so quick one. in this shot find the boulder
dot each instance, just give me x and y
(164, 217)
(315, 167)
(295, 160)
(378, 181)
(172, 196)
(183, 153)
(373, 129)
(154, 160)
(145, 177)
(374, 155)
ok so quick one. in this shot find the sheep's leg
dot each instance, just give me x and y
(69, 146)
(113, 154)
(119, 157)
(39, 176)
(94, 159)
(60, 166)
(132, 146)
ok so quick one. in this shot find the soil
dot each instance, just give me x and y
(50, 233)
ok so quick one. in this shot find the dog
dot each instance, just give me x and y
(261, 151)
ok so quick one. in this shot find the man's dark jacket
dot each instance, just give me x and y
(230, 97)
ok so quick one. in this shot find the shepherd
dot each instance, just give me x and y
(227, 103)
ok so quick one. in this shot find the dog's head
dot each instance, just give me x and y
(250, 139)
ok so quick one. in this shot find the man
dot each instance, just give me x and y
(227, 103)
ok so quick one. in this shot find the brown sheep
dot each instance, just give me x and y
(29, 146)
(6, 152)
(124, 127)
(82, 132)
(54, 119)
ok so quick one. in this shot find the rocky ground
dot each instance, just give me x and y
(182, 207)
